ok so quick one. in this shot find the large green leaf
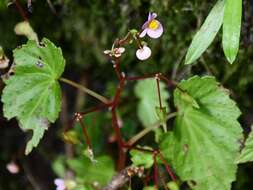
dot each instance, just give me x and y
(207, 33)
(232, 28)
(146, 91)
(33, 94)
(204, 143)
(247, 152)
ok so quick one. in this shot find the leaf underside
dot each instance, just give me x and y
(146, 91)
(231, 29)
(33, 94)
(204, 143)
(207, 33)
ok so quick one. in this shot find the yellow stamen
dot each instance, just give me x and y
(153, 25)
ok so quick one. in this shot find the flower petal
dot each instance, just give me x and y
(143, 33)
(121, 50)
(145, 25)
(59, 182)
(155, 33)
(144, 53)
(153, 16)
(149, 16)
(117, 54)
(107, 51)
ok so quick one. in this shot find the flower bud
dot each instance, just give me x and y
(143, 53)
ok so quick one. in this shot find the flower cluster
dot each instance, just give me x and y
(152, 27)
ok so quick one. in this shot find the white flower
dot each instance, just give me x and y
(143, 53)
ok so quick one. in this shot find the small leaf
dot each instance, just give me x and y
(232, 28)
(33, 94)
(141, 158)
(146, 91)
(24, 28)
(247, 152)
(100, 172)
(204, 143)
(162, 114)
(172, 185)
(71, 137)
(207, 33)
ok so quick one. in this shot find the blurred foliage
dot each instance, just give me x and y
(83, 29)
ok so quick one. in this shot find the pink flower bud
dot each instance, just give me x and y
(12, 167)
(143, 53)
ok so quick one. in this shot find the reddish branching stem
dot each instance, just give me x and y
(112, 105)
(85, 134)
(21, 10)
(156, 173)
(167, 167)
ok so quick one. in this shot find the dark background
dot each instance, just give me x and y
(84, 29)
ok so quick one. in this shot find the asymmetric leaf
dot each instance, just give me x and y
(146, 91)
(207, 33)
(247, 152)
(141, 158)
(33, 94)
(204, 143)
(232, 28)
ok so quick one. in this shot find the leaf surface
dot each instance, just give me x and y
(33, 94)
(204, 143)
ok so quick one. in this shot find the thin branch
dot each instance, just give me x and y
(141, 134)
(86, 90)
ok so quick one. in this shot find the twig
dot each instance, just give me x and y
(123, 177)
(86, 90)
(138, 136)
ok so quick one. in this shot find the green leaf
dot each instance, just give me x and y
(33, 94)
(232, 28)
(247, 152)
(101, 171)
(146, 91)
(207, 33)
(172, 185)
(38, 132)
(141, 158)
(204, 143)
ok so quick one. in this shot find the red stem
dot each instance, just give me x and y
(87, 139)
(97, 108)
(156, 171)
(21, 10)
(140, 78)
(159, 93)
(167, 167)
